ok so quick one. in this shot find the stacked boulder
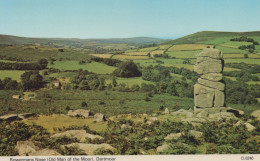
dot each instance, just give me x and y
(209, 90)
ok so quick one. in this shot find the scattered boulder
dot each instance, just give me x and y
(99, 117)
(183, 113)
(222, 116)
(89, 149)
(196, 134)
(249, 127)
(45, 152)
(162, 148)
(79, 113)
(172, 136)
(26, 115)
(26, 148)
(166, 111)
(152, 119)
(195, 121)
(256, 115)
(80, 135)
(237, 113)
(9, 117)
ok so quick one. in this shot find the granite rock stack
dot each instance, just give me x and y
(209, 90)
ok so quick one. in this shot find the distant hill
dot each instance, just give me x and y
(15, 40)
(203, 36)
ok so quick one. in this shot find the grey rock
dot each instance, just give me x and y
(183, 113)
(249, 127)
(25, 148)
(222, 115)
(152, 119)
(206, 67)
(79, 113)
(172, 136)
(216, 85)
(26, 115)
(200, 89)
(204, 100)
(219, 98)
(213, 76)
(9, 117)
(256, 114)
(202, 59)
(237, 113)
(89, 149)
(162, 148)
(45, 152)
(80, 135)
(196, 134)
(99, 117)
(212, 53)
(166, 111)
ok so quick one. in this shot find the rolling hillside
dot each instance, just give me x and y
(204, 36)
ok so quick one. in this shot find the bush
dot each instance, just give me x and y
(84, 104)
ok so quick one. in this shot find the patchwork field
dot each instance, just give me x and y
(159, 52)
(185, 47)
(235, 44)
(163, 47)
(130, 81)
(138, 53)
(124, 57)
(228, 50)
(14, 74)
(149, 49)
(247, 61)
(94, 67)
(240, 56)
(102, 55)
(184, 54)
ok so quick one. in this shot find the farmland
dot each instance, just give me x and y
(95, 67)
(14, 74)
(184, 47)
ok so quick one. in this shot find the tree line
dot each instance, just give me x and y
(41, 64)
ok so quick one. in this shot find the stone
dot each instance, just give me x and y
(80, 135)
(195, 121)
(256, 115)
(216, 85)
(25, 148)
(200, 89)
(202, 59)
(166, 111)
(45, 152)
(26, 115)
(182, 112)
(219, 100)
(172, 136)
(212, 77)
(79, 113)
(237, 113)
(249, 127)
(9, 117)
(196, 134)
(212, 53)
(162, 148)
(152, 119)
(99, 117)
(204, 100)
(206, 67)
(222, 116)
(154, 114)
(89, 149)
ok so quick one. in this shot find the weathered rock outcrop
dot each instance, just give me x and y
(14, 117)
(89, 149)
(80, 135)
(99, 117)
(209, 91)
(28, 148)
(79, 113)
(256, 115)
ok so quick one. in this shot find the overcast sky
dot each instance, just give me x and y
(125, 18)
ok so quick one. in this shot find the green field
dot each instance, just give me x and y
(235, 44)
(247, 61)
(14, 74)
(94, 67)
(184, 54)
(130, 81)
(149, 49)
(227, 50)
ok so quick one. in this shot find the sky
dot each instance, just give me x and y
(126, 18)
